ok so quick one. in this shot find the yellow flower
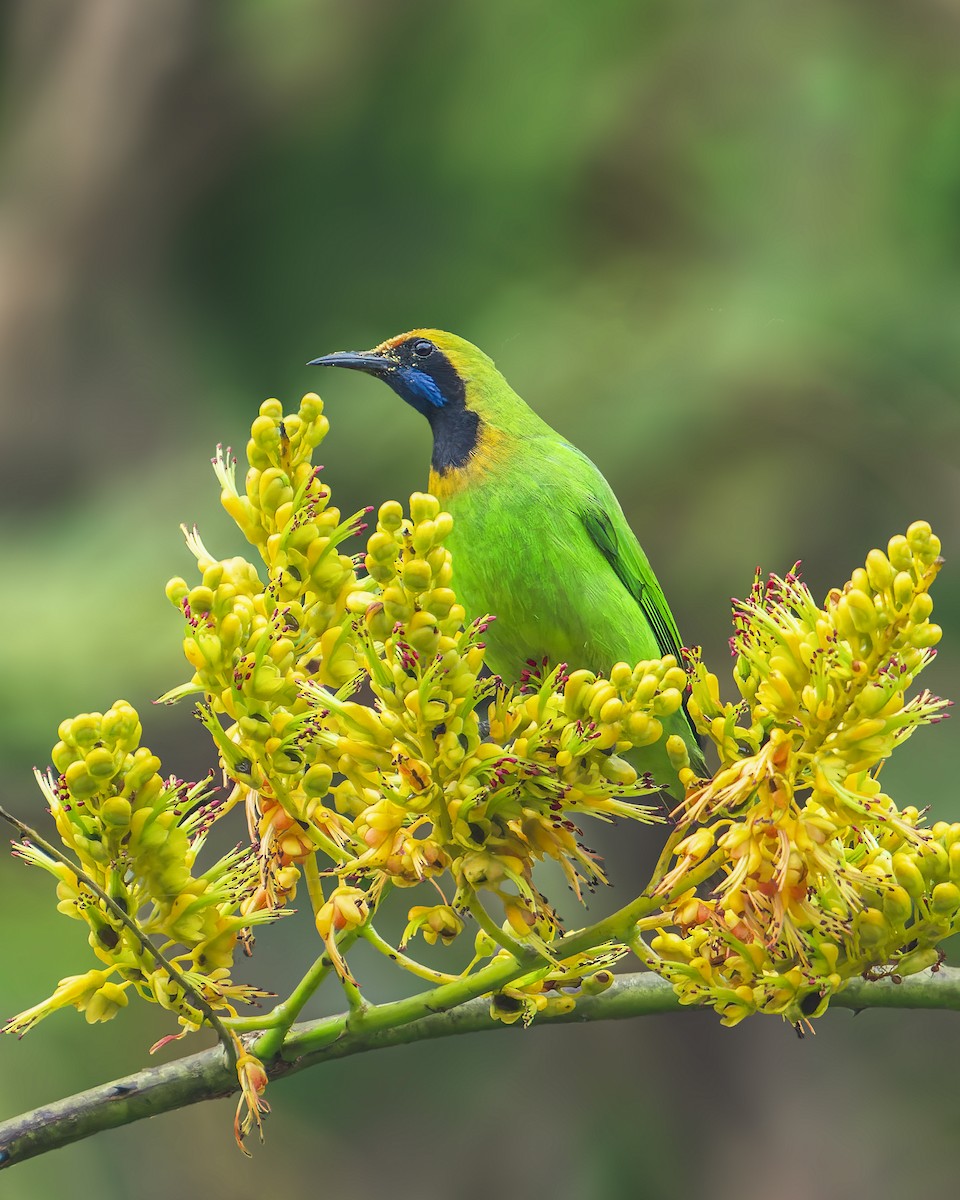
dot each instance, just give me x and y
(822, 876)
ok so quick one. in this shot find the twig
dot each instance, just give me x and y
(369, 934)
(205, 1076)
(281, 1018)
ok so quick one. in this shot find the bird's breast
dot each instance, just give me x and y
(456, 474)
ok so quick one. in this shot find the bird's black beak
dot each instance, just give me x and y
(373, 364)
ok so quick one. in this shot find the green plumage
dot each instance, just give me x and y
(539, 538)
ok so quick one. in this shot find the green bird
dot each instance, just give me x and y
(539, 539)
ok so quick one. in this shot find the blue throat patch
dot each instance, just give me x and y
(418, 385)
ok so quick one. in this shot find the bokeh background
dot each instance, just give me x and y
(716, 245)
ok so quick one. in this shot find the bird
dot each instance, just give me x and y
(539, 539)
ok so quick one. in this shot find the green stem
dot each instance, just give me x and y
(499, 973)
(618, 926)
(255, 1024)
(401, 1012)
(311, 875)
(357, 1005)
(283, 1015)
(369, 934)
(205, 1076)
(330, 848)
(663, 862)
(491, 978)
(489, 926)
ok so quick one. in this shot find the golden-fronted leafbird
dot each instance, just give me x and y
(539, 539)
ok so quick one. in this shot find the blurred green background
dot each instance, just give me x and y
(716, 245)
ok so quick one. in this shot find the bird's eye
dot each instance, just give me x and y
(423, 348)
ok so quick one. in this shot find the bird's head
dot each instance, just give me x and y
(444, 377)
(428, 368)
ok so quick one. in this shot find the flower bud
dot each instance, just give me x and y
(423, 507)
(416, 575)
(908, 875)
(677, 752)
(945, 899)
(879, 571)
(898, 551)
(918, 535)
(897, 906)
(871, 927)
(176, 591)
(116, 811)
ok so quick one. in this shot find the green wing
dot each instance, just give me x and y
(623, 553)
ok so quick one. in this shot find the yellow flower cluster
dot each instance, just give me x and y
(356, 723)
(137, 836)
(422, 790)
(436, 768)
(823, 877)
(253, 644)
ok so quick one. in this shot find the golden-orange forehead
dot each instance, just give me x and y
(431, 335)
(464, 356)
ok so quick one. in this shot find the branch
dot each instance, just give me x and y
(207, 1076)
